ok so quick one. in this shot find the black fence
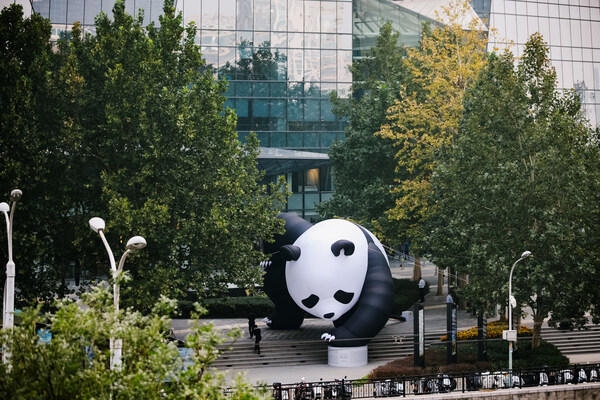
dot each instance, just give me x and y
(430, 384)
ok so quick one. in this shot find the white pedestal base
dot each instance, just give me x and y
(347, 356)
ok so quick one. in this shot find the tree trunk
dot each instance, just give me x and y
(417, 270)
(536, 340)
(451, 278)
(440, 283)
(462, 282)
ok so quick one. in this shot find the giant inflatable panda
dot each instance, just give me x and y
(335, 270)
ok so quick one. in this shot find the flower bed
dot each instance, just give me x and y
(494, 331)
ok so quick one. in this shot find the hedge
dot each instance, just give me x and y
(494, 331)
(406, 293)
(230, 307)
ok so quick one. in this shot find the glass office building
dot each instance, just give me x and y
(283, 58)
(568, 26)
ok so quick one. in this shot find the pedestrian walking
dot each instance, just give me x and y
(422, 289)
(406, 244)
(451, 298)
(257, 338)
(251, 324)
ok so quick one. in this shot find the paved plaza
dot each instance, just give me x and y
(435, 322)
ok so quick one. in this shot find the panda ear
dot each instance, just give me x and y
(290, 252)
(346, 245)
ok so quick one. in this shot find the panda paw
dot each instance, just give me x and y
(327, 337)
(267, 321)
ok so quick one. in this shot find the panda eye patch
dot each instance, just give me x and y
(343, 297)
(311, 301)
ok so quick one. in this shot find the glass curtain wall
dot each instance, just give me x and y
(569, 27)
(282, 58)
(370, 15)
(64, 13)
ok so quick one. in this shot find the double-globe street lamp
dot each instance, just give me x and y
(135, 243)
(8, 303)
(510, 334)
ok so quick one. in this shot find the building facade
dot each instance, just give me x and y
(283, 58)
(569, 27)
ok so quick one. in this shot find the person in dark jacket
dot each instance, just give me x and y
(251, 325)
(257, 338)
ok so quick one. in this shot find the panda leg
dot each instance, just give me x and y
(286, 318)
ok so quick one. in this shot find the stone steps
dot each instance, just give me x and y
(302, 351)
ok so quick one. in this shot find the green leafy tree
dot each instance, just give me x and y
(523, 175)
(36, 154)
(424, 120)
(74, 364)
(363, 164)
(138, 136)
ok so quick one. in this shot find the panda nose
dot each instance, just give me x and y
(328, 315)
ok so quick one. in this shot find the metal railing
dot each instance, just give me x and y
(431, 384)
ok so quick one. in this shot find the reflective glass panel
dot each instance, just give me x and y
(312, 65)
(210, 14)
(75, 11)
(278, 39)
(312, 16)
(279, 16)
(192, 12)
(328, 17)
(312, 40)
(260, 108)
(295, 16)
(244, 15)
(344, 18)
(328, 41)
(296, 40)
(92, 8)
(210, 38)
(575, 33)
(226, 14)
(328, 65)
(344, 60)
(226, 38)
(262, 15)
(58, 12)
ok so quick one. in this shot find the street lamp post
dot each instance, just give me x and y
(510, 334)
(8, 309)
(133, 244)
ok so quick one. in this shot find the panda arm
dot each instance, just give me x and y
(372, 311)
(287, 315)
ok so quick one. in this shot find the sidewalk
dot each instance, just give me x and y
(435, 322)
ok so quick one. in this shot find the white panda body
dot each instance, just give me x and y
(321, 283)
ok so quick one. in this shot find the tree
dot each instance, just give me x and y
(74, 363)
(144, 142)
(35, 154)
(424, 120)
(523, 175)
(363, 164)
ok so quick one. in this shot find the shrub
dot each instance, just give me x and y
(435, 362)
(406, 293)
(497, 359)
(524, 356)
(74, 363)
(230, 307)
(494, 331)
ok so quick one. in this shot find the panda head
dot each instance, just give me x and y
(327, 268)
